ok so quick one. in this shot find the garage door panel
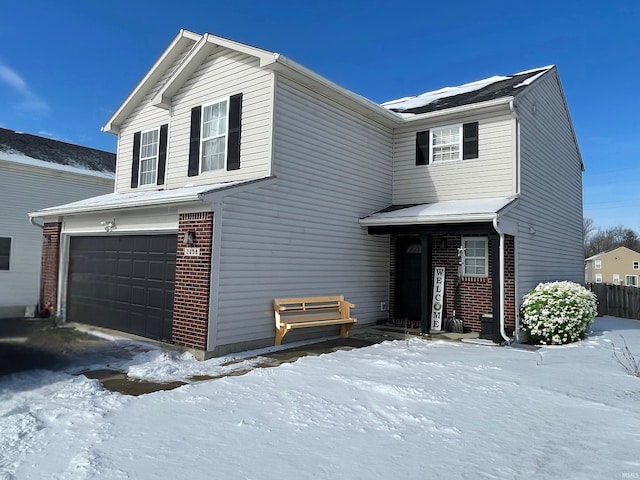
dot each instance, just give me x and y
(123, 282)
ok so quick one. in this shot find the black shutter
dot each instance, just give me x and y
(135, 164)
(470, 140)
(194, 142)
(422, 148)
(233, 138)
(162, 153)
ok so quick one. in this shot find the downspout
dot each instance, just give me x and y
(32, 222)
(501, 255)
(512, 107)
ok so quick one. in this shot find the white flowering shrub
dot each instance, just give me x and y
(558, 312)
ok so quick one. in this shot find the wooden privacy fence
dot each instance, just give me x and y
(617, 300)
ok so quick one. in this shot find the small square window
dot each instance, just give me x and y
(475, 262)
(446, 144)
(5, 253)
(636, 265)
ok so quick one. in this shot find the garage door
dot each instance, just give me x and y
(123, 282)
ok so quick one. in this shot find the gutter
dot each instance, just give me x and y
(501, 255)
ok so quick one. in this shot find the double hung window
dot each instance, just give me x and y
(475, 261)
(214, 136)
(149, 143)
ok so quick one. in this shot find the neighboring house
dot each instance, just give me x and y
(243, 176)
(35, 173)
(620, 266)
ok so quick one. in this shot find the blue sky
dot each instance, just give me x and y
(66, 65)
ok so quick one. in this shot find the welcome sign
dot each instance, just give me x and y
(437, 303)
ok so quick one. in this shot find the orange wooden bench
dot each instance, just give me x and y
(306, 312)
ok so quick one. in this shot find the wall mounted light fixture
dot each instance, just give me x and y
(189, 238)
(108, 225)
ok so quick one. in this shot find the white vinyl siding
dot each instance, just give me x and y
(492, 174)
(23, 190)
(213, 141)
(549, 244)
(149, 157)
(299, 235)
(223, 74)
(143, 118)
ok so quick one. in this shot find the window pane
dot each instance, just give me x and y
(214, 120)
(5, 252)
(213, 152)
(445, 143)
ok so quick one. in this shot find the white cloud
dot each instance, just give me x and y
(30, 100)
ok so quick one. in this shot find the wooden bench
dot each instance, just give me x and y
(305, 312)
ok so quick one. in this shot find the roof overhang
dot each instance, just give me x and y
(447, 212)
(142, 199)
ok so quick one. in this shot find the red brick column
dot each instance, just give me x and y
(509, 284)
(49, 264)
(193, 279)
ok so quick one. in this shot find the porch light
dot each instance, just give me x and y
(189, 238)
(108, 225)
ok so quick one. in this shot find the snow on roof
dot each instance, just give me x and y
(481, 90)
(135, 199)
(27, 149)
(452, 211)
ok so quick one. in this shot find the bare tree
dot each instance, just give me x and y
(598, 241)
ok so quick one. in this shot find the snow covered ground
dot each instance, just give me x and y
(406, 409)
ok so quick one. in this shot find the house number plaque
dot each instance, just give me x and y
(437, 304)
(192, 252)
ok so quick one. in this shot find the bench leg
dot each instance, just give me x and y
(344, 329)
(280, 333)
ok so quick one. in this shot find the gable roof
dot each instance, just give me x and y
(491, 88)
(27, 149)
(606, 252)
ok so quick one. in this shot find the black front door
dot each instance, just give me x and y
(408, 278)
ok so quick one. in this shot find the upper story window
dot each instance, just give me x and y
(598, 264)
(5, 253)
(447, 143)
(149, 156)
(214, 136)
(636, 265)
(475, 261)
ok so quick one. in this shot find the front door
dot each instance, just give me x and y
(408, 278)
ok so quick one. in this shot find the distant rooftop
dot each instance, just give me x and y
(479, 91)
(30, 149)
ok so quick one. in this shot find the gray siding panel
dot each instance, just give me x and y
(551, 190)
(24, 190)
(492, 174)
(300, 235)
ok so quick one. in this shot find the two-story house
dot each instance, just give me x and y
(38, 172)
(620, 266)
(243, 176)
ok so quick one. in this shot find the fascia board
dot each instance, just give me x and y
(152, 76)
(474, 218)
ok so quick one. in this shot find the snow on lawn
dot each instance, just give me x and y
(406, 409)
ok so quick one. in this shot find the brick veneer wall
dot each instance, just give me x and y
(193, 278)
(474, 295)
(49, 263)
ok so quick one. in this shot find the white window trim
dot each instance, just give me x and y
(626, 282)
(597, 264)
(141, 158)
(486, 258)
(615, 278)
(226, 135)
(460, 143)
(598, 278)
(11, 249)
(636, 265)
